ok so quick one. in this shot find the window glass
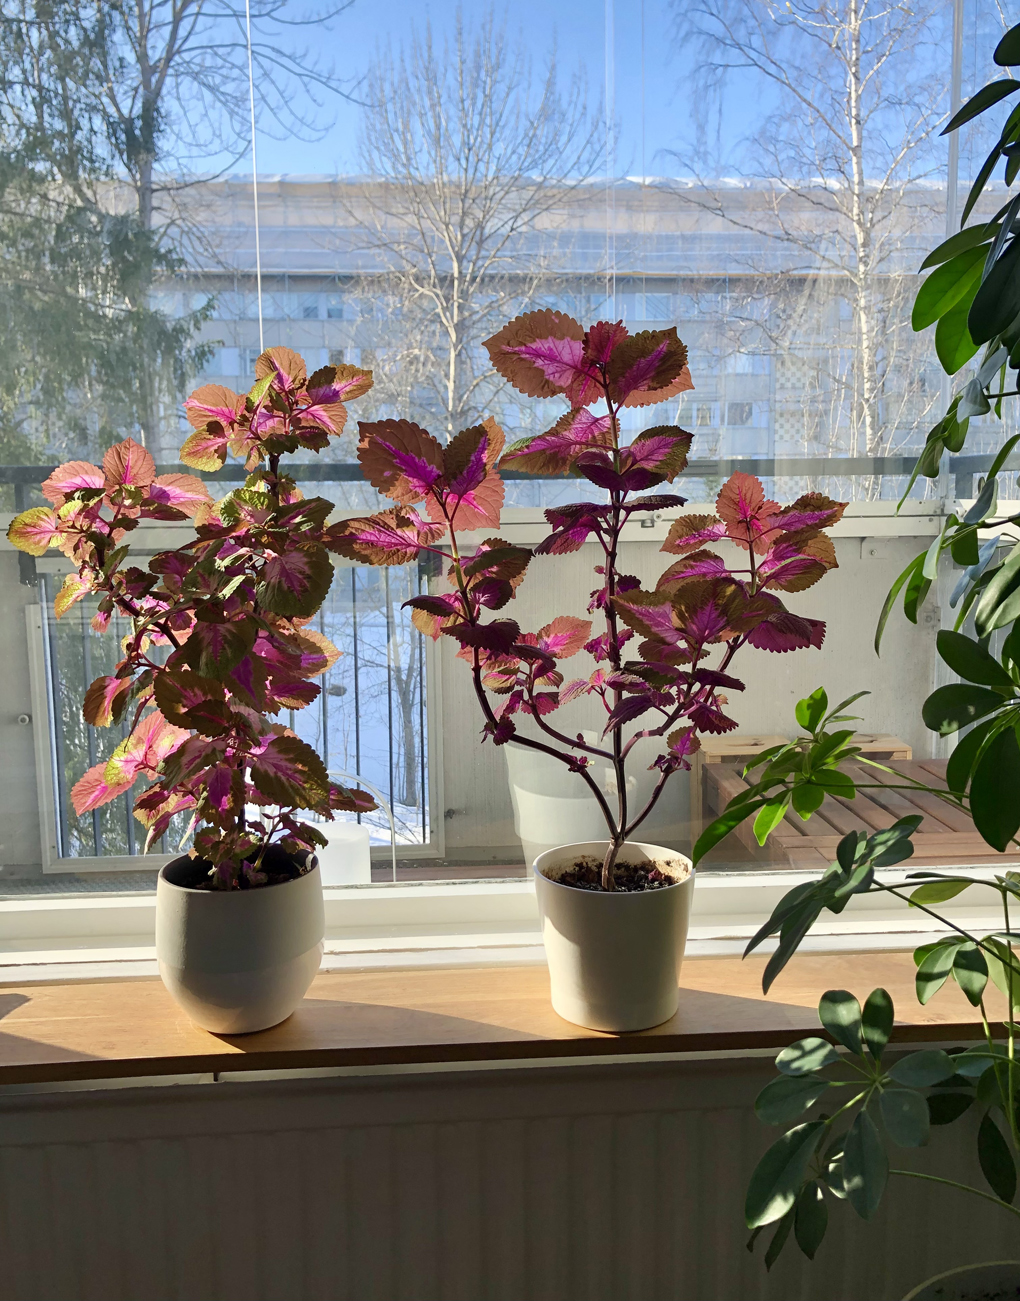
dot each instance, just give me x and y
(626, 184)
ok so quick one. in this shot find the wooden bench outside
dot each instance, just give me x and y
(946, 834)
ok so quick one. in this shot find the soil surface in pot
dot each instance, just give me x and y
(629, 878)
(278, 867)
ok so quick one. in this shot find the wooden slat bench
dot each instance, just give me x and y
(946, 835)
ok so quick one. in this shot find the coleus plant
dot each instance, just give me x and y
(219, 642)
(701, 609)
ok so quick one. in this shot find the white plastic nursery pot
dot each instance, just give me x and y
(614, 958)
(995, 1281)
(238, 960)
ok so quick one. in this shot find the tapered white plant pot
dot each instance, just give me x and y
(614, 957)
(238, 960)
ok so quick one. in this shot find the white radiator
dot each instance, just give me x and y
(619, 1182)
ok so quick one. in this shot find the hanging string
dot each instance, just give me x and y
(610, 96)
(644, 179)
(254, 172)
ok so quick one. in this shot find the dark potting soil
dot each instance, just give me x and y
(628, 878)
(278, 866)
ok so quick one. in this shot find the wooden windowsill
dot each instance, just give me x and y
(118, 1029)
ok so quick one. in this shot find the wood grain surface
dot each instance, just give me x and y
(101, 1030)
(946, 835)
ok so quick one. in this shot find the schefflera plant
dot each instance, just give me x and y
(219, 643)
(699, 609)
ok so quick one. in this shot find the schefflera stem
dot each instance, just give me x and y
(700, 608)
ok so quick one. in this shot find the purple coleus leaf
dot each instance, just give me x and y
(295, 582)
(572, 526)
(213, 402)
(501, 732)
(442, 606)
(497, 637)
(563, 637)
(782, 631)
(707, 716)
(700, 564)
(659, 453)
(633, 706)
(288, 771)
(811, 511)
(650, 614)
(393, 537)
(556, 450)
(573, 690)
(713, 678)
(690, 532)
(400, 458)
(660, 501)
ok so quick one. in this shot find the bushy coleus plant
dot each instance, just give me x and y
(219, 643)
(653, 650)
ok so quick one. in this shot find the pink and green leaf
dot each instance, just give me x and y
(74, 476)
(34, 530)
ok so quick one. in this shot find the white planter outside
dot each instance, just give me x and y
(614, 958)
(998, 1280)
(347, 859)
(238, 960)
(553, 806)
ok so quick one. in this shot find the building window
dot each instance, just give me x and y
(739, 413)
(336, 356)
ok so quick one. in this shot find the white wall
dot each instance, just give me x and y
(480, 819)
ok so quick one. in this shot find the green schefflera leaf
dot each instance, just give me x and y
(950, 708)
(997, 1162)
(779, 1175)
(811, 1219)
(865, 1166)
(840, 1014)
(993, 800)
(905, 1117)
(970, 971)
(877, 1021)
(805, 1056)
(948, 1105)
(787, 1098)
(921, 1069)
(934, 968)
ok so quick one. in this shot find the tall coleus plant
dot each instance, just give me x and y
(219, 643)
(700, 605)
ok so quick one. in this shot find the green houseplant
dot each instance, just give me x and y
(627, 901)
(852, 1105)
(219, 647)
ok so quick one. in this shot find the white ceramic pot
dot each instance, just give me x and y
(238, 960)
(999, 1280)
(614, 958)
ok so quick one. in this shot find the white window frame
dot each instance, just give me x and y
(451, 922)
(149, 539)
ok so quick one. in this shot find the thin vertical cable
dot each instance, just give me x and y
(610, 98)
(956, 99)
(254, 171)
(952, 206)
(644, 179)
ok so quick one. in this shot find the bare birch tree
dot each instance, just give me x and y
(473, 160)
(163, 89)
(852, 95)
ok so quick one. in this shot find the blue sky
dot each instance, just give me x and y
(578, 29)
